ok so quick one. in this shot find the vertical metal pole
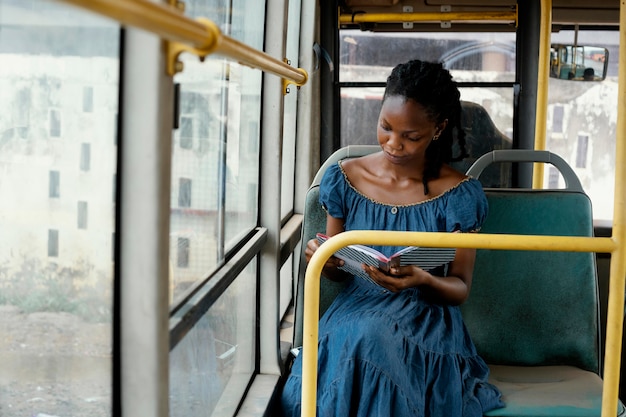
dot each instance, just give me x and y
(528, 48)
(271, 166)
(615, 318)
(328, 80)
(144, 226)
(542, 88)
(308, 122)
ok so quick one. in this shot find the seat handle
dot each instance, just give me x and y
(572, 183)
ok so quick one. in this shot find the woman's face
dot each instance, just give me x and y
(405, 130)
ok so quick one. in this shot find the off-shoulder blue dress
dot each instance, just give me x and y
(396, 354)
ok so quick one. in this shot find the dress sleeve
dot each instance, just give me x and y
(332, 193)
(467, 211)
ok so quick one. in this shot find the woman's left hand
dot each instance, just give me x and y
(398, 278)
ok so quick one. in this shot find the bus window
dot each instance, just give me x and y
(581, 123)
(471, 57)
(214, 157)
(58, 127)
(482, 63)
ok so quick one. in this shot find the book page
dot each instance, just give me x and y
(354, 256)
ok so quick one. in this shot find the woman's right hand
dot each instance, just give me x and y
(330, 269)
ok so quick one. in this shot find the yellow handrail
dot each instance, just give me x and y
(617, 277)
(448, 240)
(203, 35)
(509, 16)
(542, 88)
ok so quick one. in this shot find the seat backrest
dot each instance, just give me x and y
(535, 308)
(314, 221)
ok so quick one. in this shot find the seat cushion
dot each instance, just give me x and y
(548, 391)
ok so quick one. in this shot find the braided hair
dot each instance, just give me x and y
(430, 85)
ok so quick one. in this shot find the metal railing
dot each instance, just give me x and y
(200, 36)
(410, 17)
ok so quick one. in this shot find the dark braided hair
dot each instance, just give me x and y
(430, 85)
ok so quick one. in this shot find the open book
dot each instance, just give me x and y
(356, 255)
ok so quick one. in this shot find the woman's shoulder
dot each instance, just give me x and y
(358, 164)
(449, 179)
(354, 170)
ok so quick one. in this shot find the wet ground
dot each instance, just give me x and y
(53, 365)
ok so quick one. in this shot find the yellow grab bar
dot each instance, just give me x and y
(427, 17)
(172, 25)
(617, 277)
(444, 240)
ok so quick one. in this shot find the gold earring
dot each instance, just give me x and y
(436, 137)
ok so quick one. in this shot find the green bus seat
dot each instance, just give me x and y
(534, 315)
(314, 221)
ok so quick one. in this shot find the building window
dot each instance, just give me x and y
(184, 192)
(82, 214)
(21, 112)
(186, 132)
(182, 259)
(55, 123)
(581, 151)
(557, 119)
(88, 99)
(54, 188)
(85, 156)
(53, 243)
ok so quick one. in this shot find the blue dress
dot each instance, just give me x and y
(396, 354)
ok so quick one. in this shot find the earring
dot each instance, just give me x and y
(436, 137)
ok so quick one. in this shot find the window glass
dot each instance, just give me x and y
(82, 215)
(85, 156)
(581, 122)
(196, 234)
(212, 366)
(54, 186)
(244, 125)
(470, 57)
(215, 151)
(487, 117)
(365, 56)
(59, 97)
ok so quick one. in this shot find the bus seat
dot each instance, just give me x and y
(534, 315)
(314, 221)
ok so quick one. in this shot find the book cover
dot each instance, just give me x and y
(356, 255)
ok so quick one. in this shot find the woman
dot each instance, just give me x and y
(403, 349)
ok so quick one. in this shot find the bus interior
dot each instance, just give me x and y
(158, 170)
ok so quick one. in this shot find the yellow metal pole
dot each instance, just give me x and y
(428, 17)
(448, 240)
(172, 25)
(166, 21)
(542, 88)
(247, 55)
(617, 276)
